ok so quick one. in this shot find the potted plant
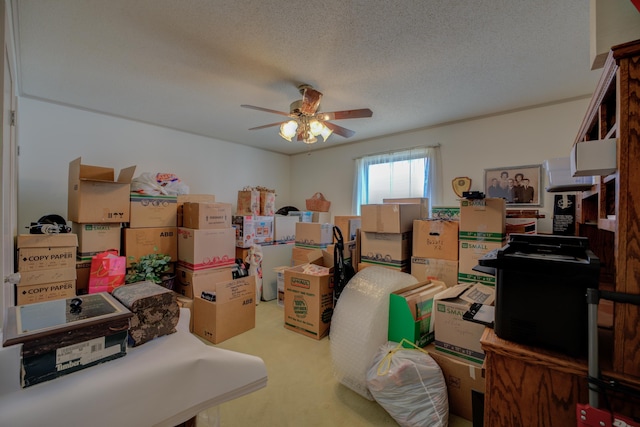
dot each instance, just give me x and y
(153, 267)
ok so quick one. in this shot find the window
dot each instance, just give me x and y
(408, 173)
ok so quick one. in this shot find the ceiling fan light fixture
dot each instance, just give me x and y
(325, 133)
(288, 129)
(315, 127)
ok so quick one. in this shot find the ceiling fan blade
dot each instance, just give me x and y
(267, 126)
(346, 114)
(310, 101)
(266, 110)
(339, 130)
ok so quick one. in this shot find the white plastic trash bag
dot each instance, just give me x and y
(409, 385)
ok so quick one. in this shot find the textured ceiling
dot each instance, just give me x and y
(189, 64)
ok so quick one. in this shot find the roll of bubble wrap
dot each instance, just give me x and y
(360, 322)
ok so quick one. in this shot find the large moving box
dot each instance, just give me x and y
(206, 215)
(95, 196)
(203, 249)
(232, 313)
(153, 211)
(96, 238)
(138, 242)
(308, 299)
(389, 217)
(435, 239)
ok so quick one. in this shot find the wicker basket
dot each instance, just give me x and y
(318, 203)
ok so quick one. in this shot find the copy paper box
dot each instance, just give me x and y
(204, 216)
(96, 238)
(95, 196)
(313, 235)
(232, 313)
(389, 217)
(410, 313)
(454, 335)
(483, 219)
(191, 283)
(203, 249)
(422, 201)
(46, 251)
(386, 249)
(443, 270)
(461, 378)
(436, 239)
(308, 299)
(39, 292)
(153, 211)
(38, 277)
(183, 198)
(153, 240)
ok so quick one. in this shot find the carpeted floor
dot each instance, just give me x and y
(301, 388)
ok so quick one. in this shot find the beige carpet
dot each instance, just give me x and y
(301, 389)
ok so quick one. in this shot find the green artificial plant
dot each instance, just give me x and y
(152, 267)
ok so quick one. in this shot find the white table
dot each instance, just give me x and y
(163, 382)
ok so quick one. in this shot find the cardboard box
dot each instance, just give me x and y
(284, 229)
(389, 217)
(183, 198)
(191, 283)
(450, 213)
(308, 299)
(462, 378)
(96, 238)
(436, 239)
(454, 335)
(321, 217)
(95, 196)
(410, 313)
(405, 268)
(153, 240)
(83, 270)
(443, 270)
(470, 252)
(386, 249)
(313, 235)
(46, 251)
(301, 255)
(483, 219)
(422, 201)
(596, 157)
(203, 249)
(153, 211)
(57, 288)
(233, 312)
(348, 225)
(263, 229)
(204, 216)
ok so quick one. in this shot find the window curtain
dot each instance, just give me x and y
(425, 179)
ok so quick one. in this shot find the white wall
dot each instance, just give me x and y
(50, 136)
(519, 138)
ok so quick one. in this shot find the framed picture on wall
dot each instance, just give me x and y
(519, 185)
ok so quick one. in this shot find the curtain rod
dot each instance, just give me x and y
(397, 151)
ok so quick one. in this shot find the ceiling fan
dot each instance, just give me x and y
(305, 122)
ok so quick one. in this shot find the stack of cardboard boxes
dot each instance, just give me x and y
(387, 233)
(97, 205)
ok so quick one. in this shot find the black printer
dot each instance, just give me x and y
(541, 283)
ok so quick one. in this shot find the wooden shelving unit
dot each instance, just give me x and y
(519, 377)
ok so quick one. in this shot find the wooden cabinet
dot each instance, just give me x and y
(528, 386)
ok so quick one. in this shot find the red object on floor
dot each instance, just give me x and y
(636, 3)
(589, 416)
